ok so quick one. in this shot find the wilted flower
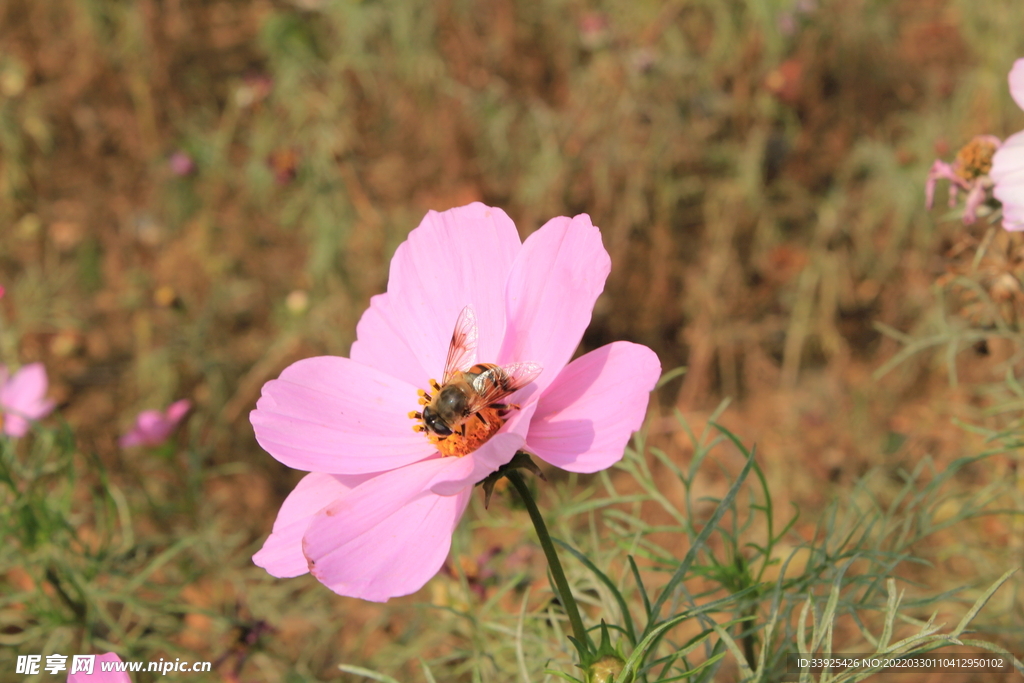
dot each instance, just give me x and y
(374, 518)
(23, 398)
(153, 427)
(1008, 164)
(98, 675)
(969, 172)
(284, 162)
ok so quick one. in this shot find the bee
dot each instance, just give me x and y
(466, 408)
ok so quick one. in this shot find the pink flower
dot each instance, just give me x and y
(98, 675)
(23, 398)
(374, 518)
(181, 164)
(153, 427)
(1008, 163)
(968, 173)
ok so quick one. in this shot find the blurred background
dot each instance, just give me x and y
(196, 193)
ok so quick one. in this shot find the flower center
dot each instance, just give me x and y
(975, 158)
(453, 421)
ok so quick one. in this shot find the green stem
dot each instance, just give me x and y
(564, 594)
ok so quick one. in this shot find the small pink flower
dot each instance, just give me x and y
(969, 173)
(594, 30)
(98, 675)
(23, 398)
(374, 518)
(153, 427)
(181, 164)
(1008, 163)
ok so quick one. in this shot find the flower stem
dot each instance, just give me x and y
(561, 584)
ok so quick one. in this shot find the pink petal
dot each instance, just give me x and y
(975, 198)
(132, 439)
(281, 554)
(1008, 176)
(151, 429)
(463, 473)
(1016, 79)
(1013, 219)
(22, 398)
(333, 415)
(386, 537)
(380, 344)
(457, 258)
(24, 393)
(15, 426)
(940, 170)
(177, 410)
(150, 422)
(551, 291)
(585, 418)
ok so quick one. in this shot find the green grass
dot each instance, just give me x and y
(758, 234)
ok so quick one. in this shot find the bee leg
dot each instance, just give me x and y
(504, 408)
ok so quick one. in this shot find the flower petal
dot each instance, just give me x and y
(551, 291)
(380, 344)
(457, 258)
(333, 415)
(177, 410)
(1016, 79)
(151, 428)
(975, 198)
(1008, 175)
(386, 537)
(24, 394)
(467, 471)
(281, 554)
(151, 422)
(585, 418)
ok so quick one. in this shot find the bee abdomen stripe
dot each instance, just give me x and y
(492, 375)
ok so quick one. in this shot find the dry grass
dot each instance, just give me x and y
(756, 167)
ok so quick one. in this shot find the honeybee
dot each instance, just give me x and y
(466, 409)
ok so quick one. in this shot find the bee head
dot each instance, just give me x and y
(434, 422)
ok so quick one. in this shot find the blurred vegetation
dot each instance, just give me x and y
(756, 166)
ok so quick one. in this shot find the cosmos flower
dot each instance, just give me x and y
(968, 173)
(98, 675)
(1008, 163)
(374, 517)
(153, 427)
(23, 398)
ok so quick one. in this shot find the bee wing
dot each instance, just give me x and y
(462, 350)
(497, 383)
